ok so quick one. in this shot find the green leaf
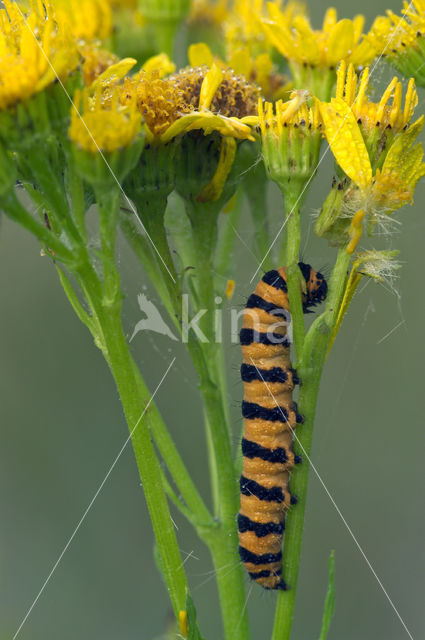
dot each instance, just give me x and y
(329, 609)
(193, 632)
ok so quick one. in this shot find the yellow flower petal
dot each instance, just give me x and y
(114, 72)
(346, 141)
(340, 41)
(208, 122)
(230, 289)
(241, 63)
(213, 190)
(356, 230)
(160, 63)
(306, 41)
(210, 84)
(200, 54)
(330, 20)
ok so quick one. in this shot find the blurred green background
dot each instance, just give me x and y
(62, 427)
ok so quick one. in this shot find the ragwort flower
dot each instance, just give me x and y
(244, 28)
(313, 55)
(401, 39)
(210, 100)
(88, 20)
(105, 129)
(35, 48)
(291, 137)
(259, 70)
(376, 186)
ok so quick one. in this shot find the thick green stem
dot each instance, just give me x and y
(108, 203)
(313, 358)
(223, 542)
(290, 259)
(256, 187)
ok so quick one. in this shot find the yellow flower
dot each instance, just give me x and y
(95, 61)
(338, 40)
(211, 100)
(34, 48)
(103, 126)
(259, 70)
(244, 28)
(402, 39)
(388, 113)
(291, 137)
(87, 19)
(373, 193)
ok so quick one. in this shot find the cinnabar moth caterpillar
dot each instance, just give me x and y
(270, 416)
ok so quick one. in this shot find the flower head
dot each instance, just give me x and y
(291, 136)
(313, 55)
(95, 61)
(34, 49)
(402, 39)
(198, 98)
(259, 70)
(390, 186)
(372, 192)
(103, 126)
(338, 40)
(88, 20)
(244, 27)
(387, 114)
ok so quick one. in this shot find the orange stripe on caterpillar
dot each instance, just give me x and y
(270, 416)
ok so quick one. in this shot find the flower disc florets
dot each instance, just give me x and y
(159, 100)
(235, 97)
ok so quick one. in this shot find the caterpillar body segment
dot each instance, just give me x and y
(270, 416)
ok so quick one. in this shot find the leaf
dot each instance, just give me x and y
(193, 632)
(329, 609)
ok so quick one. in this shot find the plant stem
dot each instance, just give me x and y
(137, 404)
(223, 541)
(14, 209)
(290, 259)
(313, 358)
(174, 462)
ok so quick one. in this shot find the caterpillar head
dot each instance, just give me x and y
(316, 286)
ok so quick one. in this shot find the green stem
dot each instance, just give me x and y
(226, 245)
(76, 191)
(165, 33)
(143, 250)
(151, 208)
(314, 355)
(174, 462)
(108, 203)
(223, 541)
(290, 259)
(137, 404)
(53, 191)
(256, 188)
(13, 208)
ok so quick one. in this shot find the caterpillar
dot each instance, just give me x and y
(270, 416)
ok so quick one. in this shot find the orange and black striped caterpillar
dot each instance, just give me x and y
(270, 416)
